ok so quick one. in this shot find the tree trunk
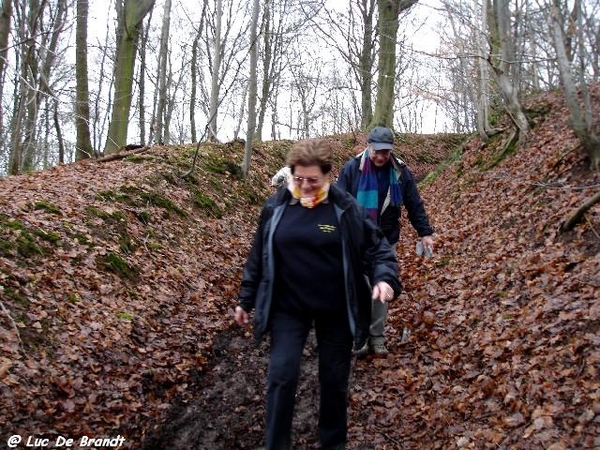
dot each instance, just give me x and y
(31, 72)
(83, 144)
(59, 136)
(194, 75)
(215, 81)
(367, 8)
(238, 126)
(162, 74)
(502, 68)
(5, 21)
(251, 89)
(23, 123)
(274, 114)
(143, 45)
(194, 87)
(269, 38)
(389, 11)
(581, 121)
(483, 94)
(130, 20)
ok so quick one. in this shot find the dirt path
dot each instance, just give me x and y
(228, 412)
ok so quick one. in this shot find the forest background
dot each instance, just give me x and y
(80, 80)
(105, 263)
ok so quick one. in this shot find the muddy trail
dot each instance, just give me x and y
(228, 411)
(228, 407)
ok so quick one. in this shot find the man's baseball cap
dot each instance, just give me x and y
(381, 138)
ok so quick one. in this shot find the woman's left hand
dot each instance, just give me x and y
(383, 292)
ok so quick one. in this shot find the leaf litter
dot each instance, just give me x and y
(118, 281)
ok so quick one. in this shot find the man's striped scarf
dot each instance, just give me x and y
(368, 191)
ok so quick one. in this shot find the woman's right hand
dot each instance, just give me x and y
(240, 316)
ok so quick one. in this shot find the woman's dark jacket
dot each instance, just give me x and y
(364, 249)
(389, 219)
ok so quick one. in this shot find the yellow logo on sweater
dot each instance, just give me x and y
(326, 228)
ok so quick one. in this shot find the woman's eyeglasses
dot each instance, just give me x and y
(310, 180)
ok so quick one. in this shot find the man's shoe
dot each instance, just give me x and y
(363, 351)
(378, 348)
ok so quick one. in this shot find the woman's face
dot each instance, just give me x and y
(310, 179)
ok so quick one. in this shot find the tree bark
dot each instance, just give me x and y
(367, 9)
(581, 121)
(23, 123)
(131, 15)
(252, 88)
(389, 12)
(502, 68)
(194, 87)
(215, 81)
(483, 94)
(160, 124)
(270, 38)
(143, 45)
(83, 144)
(194, 75)
(59, 135)
(5, 22)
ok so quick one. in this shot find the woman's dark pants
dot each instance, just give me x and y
(334, 340)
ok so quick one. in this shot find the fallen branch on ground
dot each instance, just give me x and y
(124, 154)
(576, 217)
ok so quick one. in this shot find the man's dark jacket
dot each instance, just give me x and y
(389, 220)
(362, 242)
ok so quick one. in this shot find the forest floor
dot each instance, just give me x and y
(228, 408)
(118, 279)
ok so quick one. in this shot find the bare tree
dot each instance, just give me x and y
(581, 116)
(307, 79)
(38, 56)
(194, 85)
(130, 14)
(101, 86)
(366, 57)
(215, 75)
(82, 104)
(282, 22)
(387, 24)
(503, 64)
(144, 43)
(194, 66)
(220, 61)
(160, 123)
(353, 35)
(483, 95)
(274, 43)
(5, 21)
(252, 87)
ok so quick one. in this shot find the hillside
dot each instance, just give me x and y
(118, 279)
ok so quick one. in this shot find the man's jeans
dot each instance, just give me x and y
(379, 312)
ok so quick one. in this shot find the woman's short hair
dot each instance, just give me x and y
(311, 152)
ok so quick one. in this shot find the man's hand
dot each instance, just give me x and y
(427, 243)
(240, 316)
(383, 292)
